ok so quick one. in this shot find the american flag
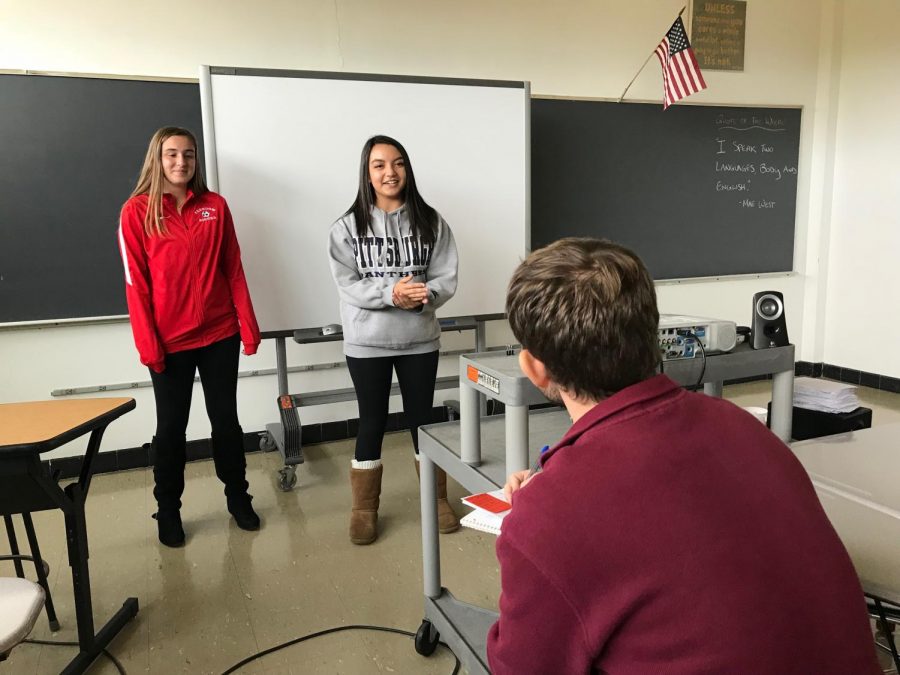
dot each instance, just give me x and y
(681, 72)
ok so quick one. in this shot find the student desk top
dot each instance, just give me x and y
(26, 431)
(855, 476)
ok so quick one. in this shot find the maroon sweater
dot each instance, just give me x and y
(671, 532)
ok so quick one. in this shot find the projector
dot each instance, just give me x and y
(680, 337)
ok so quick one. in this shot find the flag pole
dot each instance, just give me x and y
(643, 66)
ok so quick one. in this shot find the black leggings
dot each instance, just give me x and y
(416, 374)
(172, 388)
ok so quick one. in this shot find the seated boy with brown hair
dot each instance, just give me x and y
(668, 531)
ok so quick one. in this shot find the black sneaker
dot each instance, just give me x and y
(242, 511)
(168, 522)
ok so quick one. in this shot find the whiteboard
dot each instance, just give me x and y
(283, 148)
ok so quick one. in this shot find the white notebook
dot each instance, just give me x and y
(482, 521)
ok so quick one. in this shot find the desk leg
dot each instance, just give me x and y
(90, 645)
(40, 571)
(83, 661)
(13, 545)
(469, 425)
(76, 536)
(516, 438)
(782, 404)
(713, 389)
(431, 548)
(87, 462)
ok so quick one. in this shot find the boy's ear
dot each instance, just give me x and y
(534, 369)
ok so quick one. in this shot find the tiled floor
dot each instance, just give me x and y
(229, 594)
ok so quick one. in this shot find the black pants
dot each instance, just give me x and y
(172, 388)
(416, 374)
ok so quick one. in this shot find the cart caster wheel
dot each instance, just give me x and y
(426, 638)
(287, 478)
(267, 443)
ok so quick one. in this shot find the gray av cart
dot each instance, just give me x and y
(492, 451)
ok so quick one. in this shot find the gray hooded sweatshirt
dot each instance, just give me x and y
(365, 270)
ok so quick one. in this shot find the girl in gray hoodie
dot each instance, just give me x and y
(394, 261)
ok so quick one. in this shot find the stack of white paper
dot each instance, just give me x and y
(760, 414)
(824, 395)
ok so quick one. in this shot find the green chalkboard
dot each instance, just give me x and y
(73, 147)
(696, 191)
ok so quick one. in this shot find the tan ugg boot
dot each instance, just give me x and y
(447, 520)
(365, 486)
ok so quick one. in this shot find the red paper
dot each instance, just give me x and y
(488, 502)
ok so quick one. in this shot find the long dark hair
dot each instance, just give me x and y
(423, 219)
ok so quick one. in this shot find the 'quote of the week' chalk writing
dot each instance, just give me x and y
(745, 167)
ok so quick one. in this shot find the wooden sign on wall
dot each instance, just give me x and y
(718, 32)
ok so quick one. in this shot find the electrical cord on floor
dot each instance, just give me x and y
(328, 631)
(53, 643)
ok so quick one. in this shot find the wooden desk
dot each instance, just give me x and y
(26, 431)
(855, 477)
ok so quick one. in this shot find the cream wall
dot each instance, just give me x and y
(861, 323)
(577, 49)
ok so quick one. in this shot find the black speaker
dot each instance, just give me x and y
(769, 328)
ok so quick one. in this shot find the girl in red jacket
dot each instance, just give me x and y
(190, 310)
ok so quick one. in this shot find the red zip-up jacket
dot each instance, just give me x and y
(186, 289)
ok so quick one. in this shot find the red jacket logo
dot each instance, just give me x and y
(207, 213)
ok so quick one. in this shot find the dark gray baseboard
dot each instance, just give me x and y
(832, 372)
(848, 375)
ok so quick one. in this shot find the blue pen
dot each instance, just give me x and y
(537, 465)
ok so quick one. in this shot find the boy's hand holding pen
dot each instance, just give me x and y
(520, 479)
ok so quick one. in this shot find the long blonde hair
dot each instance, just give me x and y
(151, 181)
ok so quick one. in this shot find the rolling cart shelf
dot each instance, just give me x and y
(461, 625)
(479, 452)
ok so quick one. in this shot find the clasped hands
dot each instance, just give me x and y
(409, 294)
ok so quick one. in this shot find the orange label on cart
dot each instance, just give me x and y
(483, 379)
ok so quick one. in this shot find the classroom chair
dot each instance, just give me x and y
(40, 567)
(21, 601)
(887, 617)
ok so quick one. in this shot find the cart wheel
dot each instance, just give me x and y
(287, 478)
(267, 443)
(426, 638)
